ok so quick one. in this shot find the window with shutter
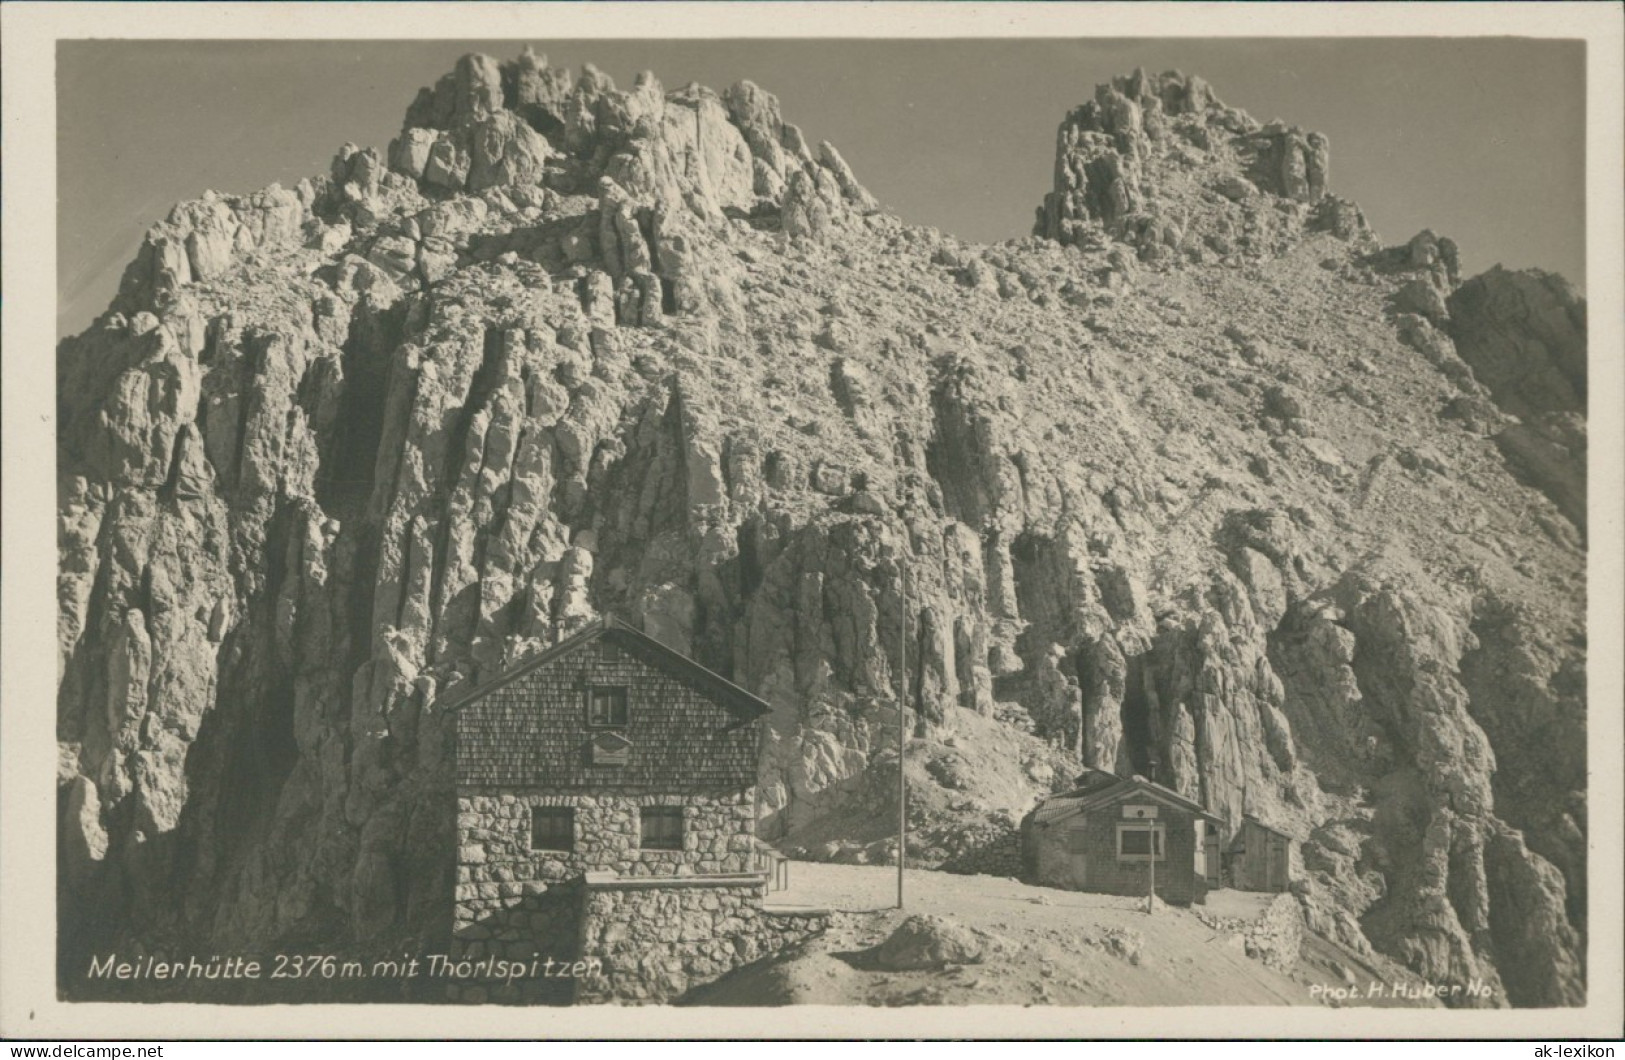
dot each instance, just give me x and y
(1077, 839)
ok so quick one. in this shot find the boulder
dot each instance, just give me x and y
(923, 942)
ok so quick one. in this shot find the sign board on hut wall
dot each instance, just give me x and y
(1139, 813)
(611, 749)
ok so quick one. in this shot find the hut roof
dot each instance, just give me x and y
(1248, 818)
(1097, 788)
(736, 700)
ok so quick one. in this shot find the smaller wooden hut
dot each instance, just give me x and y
(1101, 836)
(1260, 857)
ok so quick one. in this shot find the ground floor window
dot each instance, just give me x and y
(660, 828)
(552, 828)
(1136, 841)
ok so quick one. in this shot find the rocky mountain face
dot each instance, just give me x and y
(1199, 482)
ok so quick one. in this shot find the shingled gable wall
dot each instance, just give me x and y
(525, 743)
(531, 732)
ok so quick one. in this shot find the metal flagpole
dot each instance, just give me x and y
(1151, 887)
(1151, 846)
(902, 706)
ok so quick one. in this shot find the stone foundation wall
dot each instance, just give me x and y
(687, 916)
(542, 923)
(657, 938)
(498, 872)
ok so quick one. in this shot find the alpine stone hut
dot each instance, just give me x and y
(606, 816)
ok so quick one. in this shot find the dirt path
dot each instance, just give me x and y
(1041, 946)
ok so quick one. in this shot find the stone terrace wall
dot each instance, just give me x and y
(997, 853)
(656, 938)
(541, 923)
(1275, 936)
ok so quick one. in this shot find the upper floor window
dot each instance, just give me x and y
(606, 705)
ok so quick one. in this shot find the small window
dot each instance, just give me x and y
(606, 706)
(1135, 841)
(660, 827)
(552, 828)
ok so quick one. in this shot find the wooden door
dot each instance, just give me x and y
(1277, 869)
(1074, 871)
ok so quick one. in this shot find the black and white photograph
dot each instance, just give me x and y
(590, 521)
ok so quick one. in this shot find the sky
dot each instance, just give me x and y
(1480, 139)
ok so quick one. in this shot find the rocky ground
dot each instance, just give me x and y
(1201, 481)
(993, 941)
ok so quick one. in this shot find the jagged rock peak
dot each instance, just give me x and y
(1159, 161)
(489, 123)
(489, 145)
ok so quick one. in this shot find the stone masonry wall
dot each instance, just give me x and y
(655, 939)
(496, 868)
(1274, 937)
(996, 853)
(519, 904)
(541, 923)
